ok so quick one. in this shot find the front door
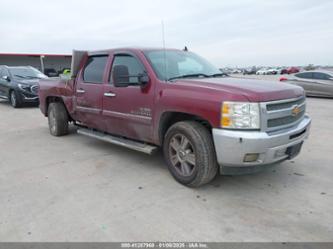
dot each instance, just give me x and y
(304, 80)
(127, 110)
(4, 82)
(89, 92)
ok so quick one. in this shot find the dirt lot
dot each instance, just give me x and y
(76, 188)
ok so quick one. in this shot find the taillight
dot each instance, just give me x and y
(283, 79)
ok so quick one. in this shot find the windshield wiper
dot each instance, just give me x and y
(20, 76)
(189, 76)
(26, 77)
(218, 75)
(32, 77)
(198, 75)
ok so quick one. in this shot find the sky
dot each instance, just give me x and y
(233, 33)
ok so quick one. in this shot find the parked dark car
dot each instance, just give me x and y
(51, 72)
(284, 71)
(315, 83)
(19, 85)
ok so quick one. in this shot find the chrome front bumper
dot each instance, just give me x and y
(231, 146)
(29, 97)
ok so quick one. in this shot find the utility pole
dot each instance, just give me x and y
(42, 62)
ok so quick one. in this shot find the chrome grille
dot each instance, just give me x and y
(34, 89)
(282, 113)
(278, 106)
(284, 120)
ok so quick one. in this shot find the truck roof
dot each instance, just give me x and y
(79, 54)
(142, 49)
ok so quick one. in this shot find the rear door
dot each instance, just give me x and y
(89, 92)
(127, 110)
(323, 85)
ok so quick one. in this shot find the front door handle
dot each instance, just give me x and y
(80, 91)
(109, 94)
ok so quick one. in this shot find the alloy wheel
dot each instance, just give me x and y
(182, 155)
(13, 98)
(52, 121)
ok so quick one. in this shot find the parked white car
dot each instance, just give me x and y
(262, 71)
(272, 71)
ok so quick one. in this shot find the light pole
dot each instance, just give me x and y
(42, 62)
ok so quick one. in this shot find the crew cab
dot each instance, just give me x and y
(204, 121)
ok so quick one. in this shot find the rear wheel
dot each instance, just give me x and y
(190, 154)
(15, 99)
(58, 119)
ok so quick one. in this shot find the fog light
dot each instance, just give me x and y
(251, 157)
(280, 153)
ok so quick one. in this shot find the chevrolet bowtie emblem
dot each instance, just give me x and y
(295, 111)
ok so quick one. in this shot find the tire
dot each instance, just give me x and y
(190, 154)
(15, 99)
(58, 119)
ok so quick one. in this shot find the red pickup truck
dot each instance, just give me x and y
(205, 121)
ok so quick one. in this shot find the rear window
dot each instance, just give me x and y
(94, 69)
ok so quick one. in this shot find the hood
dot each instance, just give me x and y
(255, 90)
(30, 82)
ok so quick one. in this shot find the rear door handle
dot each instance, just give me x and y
(109, 94)
(80, 91)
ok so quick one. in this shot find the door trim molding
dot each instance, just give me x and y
(89, 109)
(133, 117)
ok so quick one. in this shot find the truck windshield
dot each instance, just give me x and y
(27, 73)
(173, 64)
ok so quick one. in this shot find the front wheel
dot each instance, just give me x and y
(15, 99)
(58, 119)
(190, 154)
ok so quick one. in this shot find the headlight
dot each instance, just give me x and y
(24, 87)
(240, 115)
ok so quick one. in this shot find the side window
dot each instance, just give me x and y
(94, 69)
(5, 72)
(1, 72)
(126, 70)
(304, 75)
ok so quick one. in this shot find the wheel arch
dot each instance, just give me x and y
(52, 99)
(169, 118)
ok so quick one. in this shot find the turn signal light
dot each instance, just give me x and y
(226, 121)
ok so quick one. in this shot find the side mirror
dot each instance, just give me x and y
(120, 76)
(6, 78)
(143, 79)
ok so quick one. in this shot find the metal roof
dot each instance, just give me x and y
(35, 54)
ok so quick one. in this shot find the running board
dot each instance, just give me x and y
(128, 143)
